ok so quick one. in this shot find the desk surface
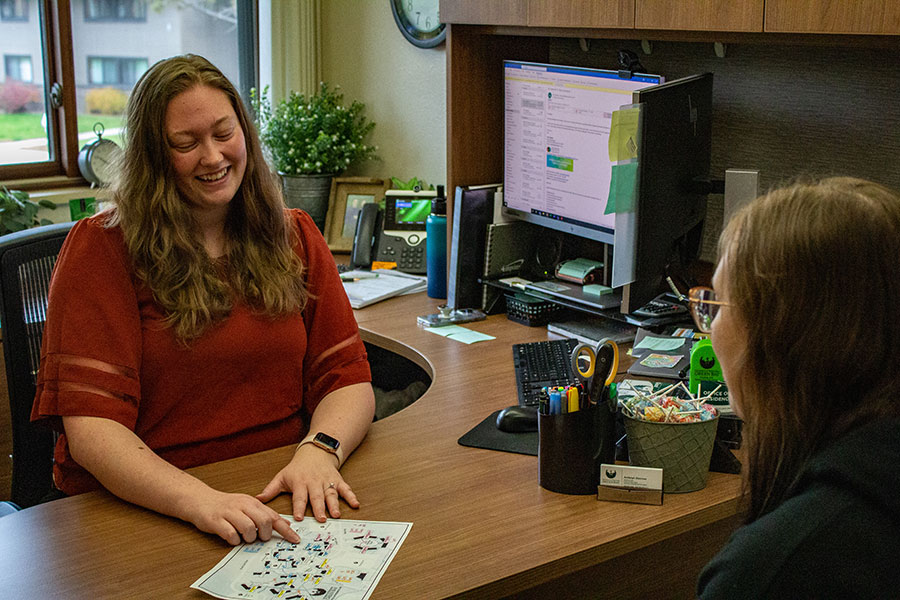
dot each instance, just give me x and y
(483, 527)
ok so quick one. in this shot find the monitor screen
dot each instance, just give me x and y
(557, 167)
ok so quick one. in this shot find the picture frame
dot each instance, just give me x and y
(348, 194)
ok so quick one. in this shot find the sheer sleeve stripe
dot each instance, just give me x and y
(86, 404)
(56, 370)
(346, 343)
(351, 372)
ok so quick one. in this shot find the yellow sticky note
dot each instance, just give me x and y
(623, 134)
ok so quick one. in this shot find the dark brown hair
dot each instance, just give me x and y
(159, 228)
(813, 271)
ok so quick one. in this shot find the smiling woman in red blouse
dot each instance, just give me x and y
(198, 320)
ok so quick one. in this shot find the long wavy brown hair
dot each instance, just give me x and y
(813, 271)
(161, 235)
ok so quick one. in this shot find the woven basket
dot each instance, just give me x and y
(681, 450)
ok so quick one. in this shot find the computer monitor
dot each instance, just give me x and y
(673, 172)
(557, 121)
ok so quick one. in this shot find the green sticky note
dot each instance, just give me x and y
(665, 344)
(623, 134)
(595, 289)
(460, 334)
(622, 188)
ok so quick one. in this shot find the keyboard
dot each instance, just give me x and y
(542, 364)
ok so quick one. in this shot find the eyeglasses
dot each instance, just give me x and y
(704, 307)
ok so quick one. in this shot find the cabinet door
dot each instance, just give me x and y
(833, 16)
(699, 15)
(482, 12)
(578, 13)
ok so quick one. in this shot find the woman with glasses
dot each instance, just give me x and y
(804, 317)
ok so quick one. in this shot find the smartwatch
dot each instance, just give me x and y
(326, 443)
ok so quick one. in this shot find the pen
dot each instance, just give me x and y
(555, 403)
(358, 276)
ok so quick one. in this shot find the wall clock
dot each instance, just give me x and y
(97, 159)
(419, 21)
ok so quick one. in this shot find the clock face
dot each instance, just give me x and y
(103, 160)
(97, 161)
(419, 21)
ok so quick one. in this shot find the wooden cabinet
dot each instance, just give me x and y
(874, 17)
(696, 15)
(833, 16)
(482, 12)
(577, 13)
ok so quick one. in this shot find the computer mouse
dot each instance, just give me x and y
(518, 419)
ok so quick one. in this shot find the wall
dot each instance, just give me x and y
(402, 86)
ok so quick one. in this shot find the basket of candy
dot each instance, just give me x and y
(676, 434)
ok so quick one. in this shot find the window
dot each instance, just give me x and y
(115, 10)
(91, 71)
(14, 10)
(18, 67)
(115, 70)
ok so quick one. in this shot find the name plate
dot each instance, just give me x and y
(624, 483)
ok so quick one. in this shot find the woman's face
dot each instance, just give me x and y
(728, 335)
(206, 147)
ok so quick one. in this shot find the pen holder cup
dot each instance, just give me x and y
(681, 450)
(571, 448)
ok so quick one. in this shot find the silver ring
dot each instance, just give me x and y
(330, 486)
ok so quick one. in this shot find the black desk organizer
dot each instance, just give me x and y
(572, 447)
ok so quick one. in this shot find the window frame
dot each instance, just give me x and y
(58, 64)
(22, 58)
(89, 18)
(120, 62)
(17, 19)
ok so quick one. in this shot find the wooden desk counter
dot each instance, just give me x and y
(483, 527)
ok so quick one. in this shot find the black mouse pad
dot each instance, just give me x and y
(486, 435)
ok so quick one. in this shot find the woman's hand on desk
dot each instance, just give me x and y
(128, 468)
(309, 478)
(238, 517)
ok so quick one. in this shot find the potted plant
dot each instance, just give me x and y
(310, 140)
(18, 211)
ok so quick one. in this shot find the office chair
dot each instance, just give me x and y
(26, 262)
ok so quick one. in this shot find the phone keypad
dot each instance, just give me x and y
(412, 257)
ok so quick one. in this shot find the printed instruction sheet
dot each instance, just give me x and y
(338, 559)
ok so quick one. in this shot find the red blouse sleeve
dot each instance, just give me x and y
(92, 313)
(335, 354)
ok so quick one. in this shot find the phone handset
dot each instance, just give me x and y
(367, 225)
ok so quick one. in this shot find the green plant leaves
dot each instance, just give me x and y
(18, 211)
(311, 135)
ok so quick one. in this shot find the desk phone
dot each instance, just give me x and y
(396, 233)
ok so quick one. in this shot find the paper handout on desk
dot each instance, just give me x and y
(338, 558)
(367, 287)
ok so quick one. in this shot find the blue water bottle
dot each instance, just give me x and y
(436, 246)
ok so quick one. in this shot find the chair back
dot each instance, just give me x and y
(26, 263)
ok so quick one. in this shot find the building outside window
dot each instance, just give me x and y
(115, 10)
(112, 43)
(14, 10)
(18, 67)
(114, 70)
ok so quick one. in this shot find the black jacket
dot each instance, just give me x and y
(836, 536)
